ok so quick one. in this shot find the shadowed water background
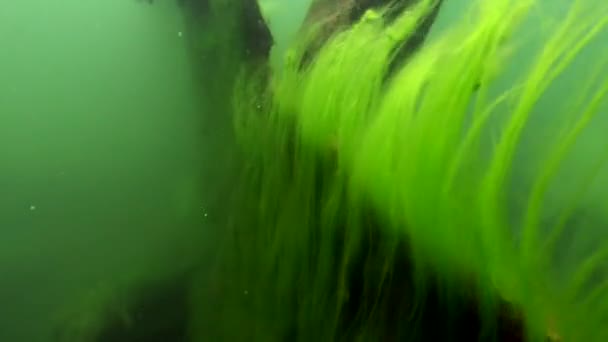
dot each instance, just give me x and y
(101, 150)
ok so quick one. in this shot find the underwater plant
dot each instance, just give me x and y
(392, 186)
(384, 204)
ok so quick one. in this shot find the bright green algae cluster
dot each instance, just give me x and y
(345, 160)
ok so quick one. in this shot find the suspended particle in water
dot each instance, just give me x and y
(180, 34)
(32, 207)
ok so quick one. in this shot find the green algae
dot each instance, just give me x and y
(326, 142)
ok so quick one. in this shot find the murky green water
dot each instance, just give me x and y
(108, 165)
(101, 148)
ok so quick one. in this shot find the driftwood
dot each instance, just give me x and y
(332, 16)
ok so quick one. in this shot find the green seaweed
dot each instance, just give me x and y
(326, 143)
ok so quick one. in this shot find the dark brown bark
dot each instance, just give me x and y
(333, 16)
